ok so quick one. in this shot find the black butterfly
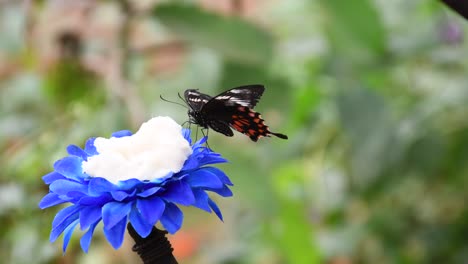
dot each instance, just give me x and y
(232, 108)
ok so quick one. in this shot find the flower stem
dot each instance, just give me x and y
(153, 249)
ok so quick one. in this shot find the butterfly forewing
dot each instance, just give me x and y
(195, 99)
(247, 95)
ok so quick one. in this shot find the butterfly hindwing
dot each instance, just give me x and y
(221, 127)
(250, 123)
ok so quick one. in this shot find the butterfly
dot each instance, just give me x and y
(230, 109)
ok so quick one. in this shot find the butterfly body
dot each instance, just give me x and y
(230, 109)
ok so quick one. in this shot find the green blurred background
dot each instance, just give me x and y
(373, 95)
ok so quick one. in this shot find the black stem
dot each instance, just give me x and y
(153, 249)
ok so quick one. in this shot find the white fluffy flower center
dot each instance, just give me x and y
(155, 150)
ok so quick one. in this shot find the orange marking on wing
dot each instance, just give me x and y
(236, 128)
(237, 123)
(244, 121)
(251, 132)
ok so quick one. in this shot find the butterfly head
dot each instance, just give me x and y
(196, 100)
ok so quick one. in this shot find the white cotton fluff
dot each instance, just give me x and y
(156, 149)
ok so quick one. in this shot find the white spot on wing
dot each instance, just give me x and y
(241, 102)
(238, 91)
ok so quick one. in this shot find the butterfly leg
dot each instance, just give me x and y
(203, 132)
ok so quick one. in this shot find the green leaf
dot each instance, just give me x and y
(68, 81)
(232, 37)
(355, 28)
(236, 74)
(306, 102)
(370, 128)
(293, 231)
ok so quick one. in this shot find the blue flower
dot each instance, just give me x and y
(141, 202)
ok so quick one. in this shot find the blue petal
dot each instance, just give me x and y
(62, 220)
(90, 148)
(94, 200)
(224, 191)
(215, 209)
(190, 164)
(85, 240)
(72, 197)
(49, 200)
(201, 200)
(115, 235)
(65, 213)
(119, 195)
(178, 192)
(203, 178)
(129, 184)
(149, 192)
(172, 218)
(98, 186)
(211, 159)
(151, 209)
(114, 212)
(65, 198)
(70, 167)
(89, 215)
(67, 234)
(201, 141)
(67, 186)
(158, 181)
(139, 223)
(122, 133)
(77, 151)
(51, 177)
(221, 175)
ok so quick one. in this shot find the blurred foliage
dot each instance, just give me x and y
(371, 93)
(249, 44)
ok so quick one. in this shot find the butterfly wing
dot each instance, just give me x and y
(250, 123)
(224, 105)
(221, 127)
(241, 118)
(195, 99)
(247, 95)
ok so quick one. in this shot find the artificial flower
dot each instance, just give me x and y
(139, 178)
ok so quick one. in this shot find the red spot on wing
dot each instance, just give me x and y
(250, 123)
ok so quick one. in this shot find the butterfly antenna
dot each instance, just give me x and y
(181, 98)
(165, 100)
